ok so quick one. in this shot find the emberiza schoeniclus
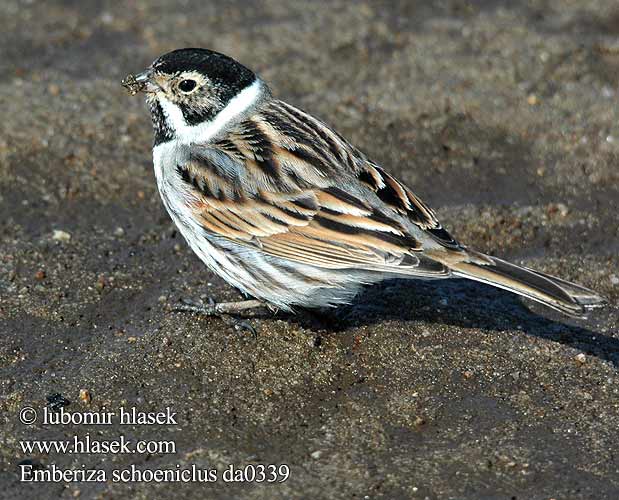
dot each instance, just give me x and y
(283, 208)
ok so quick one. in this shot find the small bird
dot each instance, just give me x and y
(283, 208)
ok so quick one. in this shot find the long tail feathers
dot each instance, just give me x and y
(561, 295)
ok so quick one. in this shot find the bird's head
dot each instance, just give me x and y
(192, 92)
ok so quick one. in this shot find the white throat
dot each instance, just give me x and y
(205, 131)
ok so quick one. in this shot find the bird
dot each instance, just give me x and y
(286, 210)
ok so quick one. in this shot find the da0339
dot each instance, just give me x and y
(256, 473)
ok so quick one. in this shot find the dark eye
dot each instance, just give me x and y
(187, 85)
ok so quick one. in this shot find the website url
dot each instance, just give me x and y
(87, 445)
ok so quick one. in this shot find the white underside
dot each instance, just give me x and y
(175, 193)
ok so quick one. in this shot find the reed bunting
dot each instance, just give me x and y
(283, 208)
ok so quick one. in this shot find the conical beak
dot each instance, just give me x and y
(142, 82)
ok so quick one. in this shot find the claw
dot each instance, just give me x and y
(241, 325)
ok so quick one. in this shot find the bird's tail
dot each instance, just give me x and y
(561, 295)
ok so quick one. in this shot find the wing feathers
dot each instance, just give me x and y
(270, 184)
(285, 183)
(563, 296)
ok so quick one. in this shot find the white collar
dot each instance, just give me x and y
(205, 131)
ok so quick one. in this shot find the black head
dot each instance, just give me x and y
(225, 76)
(188, 87)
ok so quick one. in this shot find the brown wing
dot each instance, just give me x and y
(271, 184)
(403, 200)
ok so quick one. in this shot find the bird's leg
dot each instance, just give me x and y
(217, 308)
(220, 309)
(237, 307)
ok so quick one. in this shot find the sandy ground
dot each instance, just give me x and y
(502, 115)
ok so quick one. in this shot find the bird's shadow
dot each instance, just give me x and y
(461, 303)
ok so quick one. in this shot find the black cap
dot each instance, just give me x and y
(220, 69)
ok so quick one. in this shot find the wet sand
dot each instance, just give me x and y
(501, 115)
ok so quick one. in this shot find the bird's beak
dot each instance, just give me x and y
(142, 82)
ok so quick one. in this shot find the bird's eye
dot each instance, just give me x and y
(187, 85)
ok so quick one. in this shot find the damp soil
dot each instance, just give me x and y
(501, 115)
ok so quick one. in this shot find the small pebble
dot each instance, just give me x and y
(107, 18)
(557, 208)
(101, 283)
(57, 401)
(419, 421)
(532, 100)
(580, 358)
(119, 231)
(85, 396)
(39, 275)
(60, 235)
(614, 279)
(316, 454)
(563, 210)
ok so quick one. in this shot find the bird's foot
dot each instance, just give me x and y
(222, 310)
(190, 306)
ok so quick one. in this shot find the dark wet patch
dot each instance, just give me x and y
(63, 55)
(453, 159)
(588, 22)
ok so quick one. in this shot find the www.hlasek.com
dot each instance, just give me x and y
(86, 444)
